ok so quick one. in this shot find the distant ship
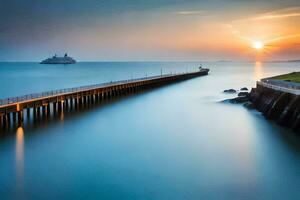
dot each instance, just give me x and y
(59, 60)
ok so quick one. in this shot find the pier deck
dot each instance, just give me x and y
(276, 83)
(47, 103)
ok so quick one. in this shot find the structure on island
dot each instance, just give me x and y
(59, 60)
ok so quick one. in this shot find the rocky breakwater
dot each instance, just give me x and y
(242, 97)
(277, 102)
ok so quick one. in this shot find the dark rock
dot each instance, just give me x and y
(243, 94)
(230, 91)
(236, 100)
(244, 89)
(249, 105)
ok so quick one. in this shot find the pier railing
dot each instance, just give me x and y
(283, 86)
(52, 93)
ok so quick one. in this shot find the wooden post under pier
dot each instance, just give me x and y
(28, 114)
(71, 103)
(4, 120)
(8, 119)
(20, 117)
(14, 114)
(48, 109)
(1, 121)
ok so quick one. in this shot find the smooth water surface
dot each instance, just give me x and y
(173, 142)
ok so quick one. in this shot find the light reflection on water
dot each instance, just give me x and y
(61, 116)
(174, 142)
(20, 159)
(258, 71)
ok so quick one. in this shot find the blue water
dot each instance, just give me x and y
(173, 142)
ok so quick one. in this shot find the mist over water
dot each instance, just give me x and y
(172, 142)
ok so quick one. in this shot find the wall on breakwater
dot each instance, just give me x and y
(282, 107)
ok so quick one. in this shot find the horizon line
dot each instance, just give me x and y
(124, 61)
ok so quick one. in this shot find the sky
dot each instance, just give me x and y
(150, 30)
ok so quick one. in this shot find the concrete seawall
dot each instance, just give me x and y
(282, 107)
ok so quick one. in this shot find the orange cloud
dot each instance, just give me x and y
(276, 16)
(267, 28)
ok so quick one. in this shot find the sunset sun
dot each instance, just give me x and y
(258, 45)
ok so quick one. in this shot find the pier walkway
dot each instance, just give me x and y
(280, 85)
(13, 110)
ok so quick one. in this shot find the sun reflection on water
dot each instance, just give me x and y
(258, 70)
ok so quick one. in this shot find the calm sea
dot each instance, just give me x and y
(173, 142)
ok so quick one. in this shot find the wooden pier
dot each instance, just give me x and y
(13, 111)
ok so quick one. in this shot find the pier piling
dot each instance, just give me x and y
(20, 117)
